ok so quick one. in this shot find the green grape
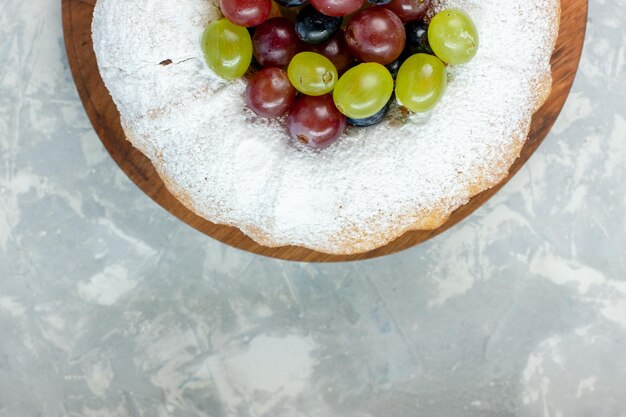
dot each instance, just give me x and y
(312, 74)
(453, 37)
(421, 82)
(227, 49)
(363, 90)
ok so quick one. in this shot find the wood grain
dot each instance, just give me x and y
(77, 16)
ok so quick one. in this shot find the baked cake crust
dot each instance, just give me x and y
(371, 187)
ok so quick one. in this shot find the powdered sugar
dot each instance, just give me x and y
(375, 183)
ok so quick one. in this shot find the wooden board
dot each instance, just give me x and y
(77, 15)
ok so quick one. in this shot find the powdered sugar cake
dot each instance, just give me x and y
(374, 184)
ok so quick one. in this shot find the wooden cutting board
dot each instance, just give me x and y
(77, 15)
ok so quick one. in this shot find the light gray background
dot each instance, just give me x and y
(109, 306)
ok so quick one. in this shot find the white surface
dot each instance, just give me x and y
(518, 312)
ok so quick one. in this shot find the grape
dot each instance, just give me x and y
(312, 74)
(421, 82)
(372, 120)
(363, 90)
(291, 3)
(315, 27)
(246, 12)
(417, 39)
(336, 50)
(379, 2)
(394, 67)
(453, 37)
(227, 49)
(376, 35)
(275, 42)
(337, 7)
(315, 121)
(409, 10)
(269, 93)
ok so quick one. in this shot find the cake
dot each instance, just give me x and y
(407, 173)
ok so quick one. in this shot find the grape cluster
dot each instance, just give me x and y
(328, 63)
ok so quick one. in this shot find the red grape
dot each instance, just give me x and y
(337, 7)
(409, 10)
(336, 50)
(376, 35)
(315, 121)
(246, 12)
(275, 42)
(269, 93)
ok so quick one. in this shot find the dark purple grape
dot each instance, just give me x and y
(394, 67)
(291, 3)
(315, 27)
(315, 121)
(417, 39)
(275, 42)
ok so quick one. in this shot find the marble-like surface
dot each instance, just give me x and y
(111, 307)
